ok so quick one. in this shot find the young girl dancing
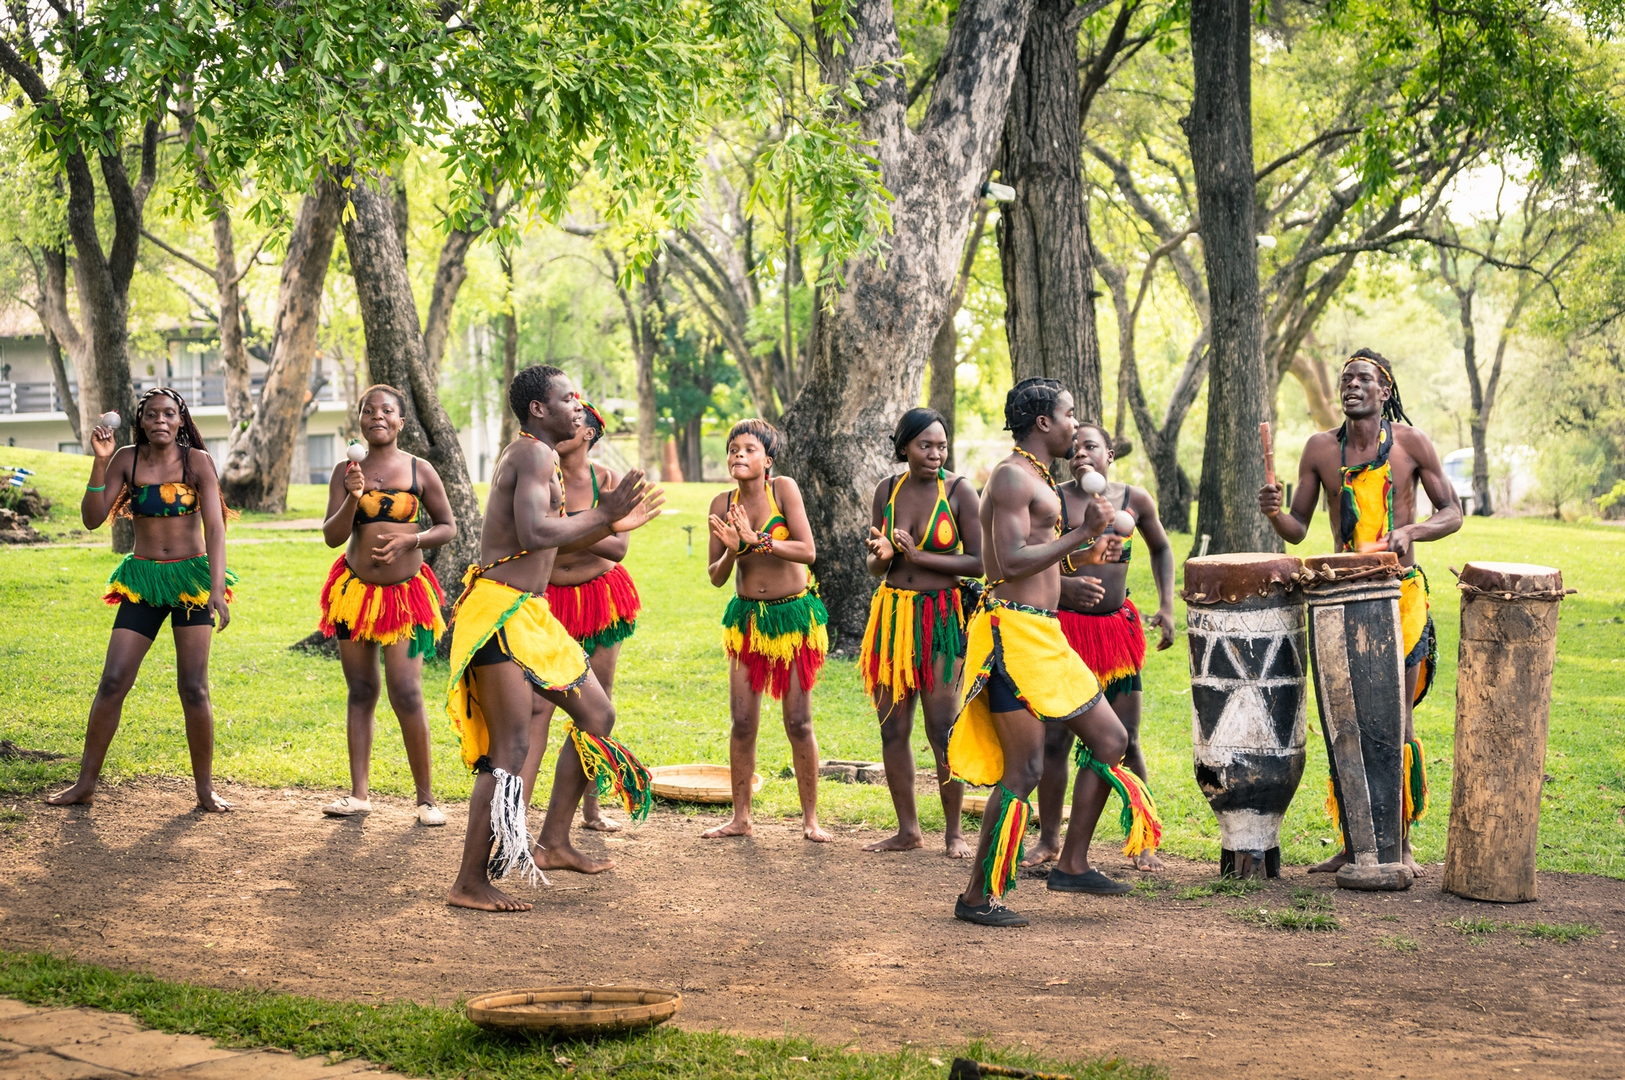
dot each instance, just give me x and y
(925, 536)
(773, 628)
(381, 598)
(177, 572)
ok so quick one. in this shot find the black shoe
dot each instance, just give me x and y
(991, 913)
(1090, 881)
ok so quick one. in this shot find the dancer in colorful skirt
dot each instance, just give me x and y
(925, 537)
(1021, 675)
(1373, 508)
(380, 598)
(590, 592)
(167, 482)
(1103, 627)
(507, 647)
(774, 627)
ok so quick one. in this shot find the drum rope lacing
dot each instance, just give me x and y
(1468, 589)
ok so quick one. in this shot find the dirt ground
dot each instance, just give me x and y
(775, 935)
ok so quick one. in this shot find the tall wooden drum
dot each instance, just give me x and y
(1359, 667)
(1245, 617)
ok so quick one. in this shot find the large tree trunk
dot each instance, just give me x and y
(944, 366)
(261, 454)
(1044, 234)
(869, 349)
(395, 355)
(1220, 129)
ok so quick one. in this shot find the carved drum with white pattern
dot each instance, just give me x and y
(1249, 648)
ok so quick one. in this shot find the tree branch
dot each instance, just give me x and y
(212, 272)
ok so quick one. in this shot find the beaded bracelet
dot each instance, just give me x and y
(764, 546)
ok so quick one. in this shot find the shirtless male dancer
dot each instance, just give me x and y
(1020, 673)
(507, 648)
(1103, 627)
(1372, 503)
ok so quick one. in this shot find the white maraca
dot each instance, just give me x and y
(356, 452)
(1092, 482)
(110, 420)
(1123, 523)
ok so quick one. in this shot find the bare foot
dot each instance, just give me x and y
(897, 843)
(486, 897)
(74, 796)
(210, 803)
(1147, 861)
(812, 831)
(1331, 865)
(734, 827)
(1413, 866)
(957, 847)
(568, 857)
(601, 824)
(1041, 854)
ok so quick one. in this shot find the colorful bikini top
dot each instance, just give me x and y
(942, 534)
(162, 500)
(1067, 564)
(1366, 508)
(591, 471)
(388, 504)
(776, 526)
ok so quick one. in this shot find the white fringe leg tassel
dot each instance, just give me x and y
(511, 848)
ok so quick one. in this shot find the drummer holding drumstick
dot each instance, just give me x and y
(1369, 468)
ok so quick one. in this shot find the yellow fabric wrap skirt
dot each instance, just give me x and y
(520, 625)
(1416, 627)
(1025, 646)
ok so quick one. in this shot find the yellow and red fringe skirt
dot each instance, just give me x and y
(386, 614)
(775, 639)
(909, 634)
(598, 613)
(1112, 646)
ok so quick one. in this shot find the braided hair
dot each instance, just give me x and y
(1027, 401)
(1392, 409)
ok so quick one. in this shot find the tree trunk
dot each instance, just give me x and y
(869, 350)
(1044, 234)
(59, 375)
(1220, 130)
(395, 355)
(60, 329)
(1317, 390)
(647, 342)
(449, 276)
(261, 454)
(944, 367)
(510, 345)
(692, 461)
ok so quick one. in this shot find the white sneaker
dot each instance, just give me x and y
(430, 814)
(347, 807)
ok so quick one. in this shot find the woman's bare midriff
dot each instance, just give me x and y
(1114, 578)
(764, 577)
(169, 538)
(367, 537)
(579, 567)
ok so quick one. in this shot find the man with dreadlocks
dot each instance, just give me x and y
(1369, 468)
(590, 592)
(507, 647)
(167, 482)
(1021, 674)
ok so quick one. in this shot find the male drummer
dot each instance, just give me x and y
(1369, 468)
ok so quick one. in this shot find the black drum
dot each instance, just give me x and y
(1245, 620)
(1359, 664)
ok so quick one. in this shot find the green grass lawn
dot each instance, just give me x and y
(280, 714)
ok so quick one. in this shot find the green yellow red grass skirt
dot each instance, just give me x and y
(598, 613)
(775, 638)
(909, 634)
(176, 583)
(384, 613)
(1112, 646)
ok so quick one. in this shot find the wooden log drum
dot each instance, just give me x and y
(1245, 619)
(1359, 666)
(1503, 703)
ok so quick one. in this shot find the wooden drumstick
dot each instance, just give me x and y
(1269, 454)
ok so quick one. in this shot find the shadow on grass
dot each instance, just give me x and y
(437, 1042)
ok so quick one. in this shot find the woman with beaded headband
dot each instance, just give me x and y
(381, 600)
(923, 538)
(774, 627)
(167, 483)
(589, 591)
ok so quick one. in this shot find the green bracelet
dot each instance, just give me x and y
(89, 488)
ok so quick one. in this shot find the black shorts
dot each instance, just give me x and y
(492, 652)
(1001, 692)
(147, 619)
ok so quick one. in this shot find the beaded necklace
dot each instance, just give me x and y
(558, 473)
(1043, 471)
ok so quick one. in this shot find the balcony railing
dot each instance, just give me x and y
(199, 391)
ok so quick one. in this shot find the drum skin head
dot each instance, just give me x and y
(1345, 561)
(1512, 578)
(1225, 579)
